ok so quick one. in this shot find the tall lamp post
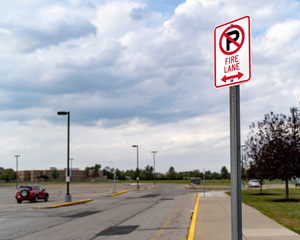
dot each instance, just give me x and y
(114, 175)
(71, 172)
(137, 170)
(68, 197)
(17, 156)
(154, 165)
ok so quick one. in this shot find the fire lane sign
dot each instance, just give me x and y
(232, 55)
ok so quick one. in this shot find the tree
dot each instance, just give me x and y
(224, 173)
(120, 174)
(208, 174)
(273, 148)
(87, 172)
(109, 172)
(8, 174)
(196, 173)
(171, 174)
(148, 172)
(215, 175)
(95, 170)
(55, 174)
(130, 173)
(1, 171)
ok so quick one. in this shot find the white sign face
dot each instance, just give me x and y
(232, 63)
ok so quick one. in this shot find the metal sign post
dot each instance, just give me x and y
(232, 66)
(235, 162)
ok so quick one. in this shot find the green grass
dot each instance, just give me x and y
(273, 204)
(207, 182)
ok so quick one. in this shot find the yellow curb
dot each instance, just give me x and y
(142, 189)
(153, 187)
(193, 222)
(114, 194)
(65, 204)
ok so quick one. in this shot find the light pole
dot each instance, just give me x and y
(114, 175)
(137, 170)
(71, 172)
(17, 156)
(154, 164)
(68, 197)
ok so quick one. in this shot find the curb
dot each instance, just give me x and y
(193, 222)
(142, 189)
(65, 204)
(115, 194)
(153, 186)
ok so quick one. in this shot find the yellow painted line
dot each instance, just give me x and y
(115, 194)
(169, 219)
(193, 222)
(65, 204)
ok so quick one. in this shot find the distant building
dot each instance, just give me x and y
(76, 175)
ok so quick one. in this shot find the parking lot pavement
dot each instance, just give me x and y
(156, 213)
(214, 221)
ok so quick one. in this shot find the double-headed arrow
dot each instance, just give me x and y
(239, 75)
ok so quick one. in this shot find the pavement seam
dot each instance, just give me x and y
(169, 219)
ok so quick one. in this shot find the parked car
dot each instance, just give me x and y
(32, 193)
(253, 183)
(297, 183)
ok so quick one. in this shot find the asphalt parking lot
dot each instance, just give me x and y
(154, 213)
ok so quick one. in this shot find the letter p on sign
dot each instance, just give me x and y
(232, 53)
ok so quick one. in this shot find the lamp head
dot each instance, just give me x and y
(134, 145)
(62, 113)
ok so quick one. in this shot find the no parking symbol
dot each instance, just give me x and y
(232, 63)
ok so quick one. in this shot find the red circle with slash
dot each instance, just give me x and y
(238, 45)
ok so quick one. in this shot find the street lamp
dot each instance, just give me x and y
(68, 197)
(71, 172)
(137, 170)
(154, 164)
(17, 156)
(114, 175)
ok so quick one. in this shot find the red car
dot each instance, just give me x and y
(31, 193)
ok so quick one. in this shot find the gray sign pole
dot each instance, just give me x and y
(235, 163)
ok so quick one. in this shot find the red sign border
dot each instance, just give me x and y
(215, 41)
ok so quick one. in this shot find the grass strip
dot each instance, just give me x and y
(273, 204)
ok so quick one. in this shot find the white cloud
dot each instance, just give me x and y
(132, 75)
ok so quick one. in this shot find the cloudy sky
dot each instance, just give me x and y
(135, 72)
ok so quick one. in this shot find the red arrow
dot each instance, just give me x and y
(239, 75)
